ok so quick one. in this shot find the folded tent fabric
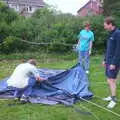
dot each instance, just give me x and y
(63, 86)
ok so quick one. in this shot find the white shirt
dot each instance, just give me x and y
(21, 74)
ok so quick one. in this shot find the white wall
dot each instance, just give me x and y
(30, 9)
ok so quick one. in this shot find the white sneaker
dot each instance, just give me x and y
(24, 98)
(111, 104)
(107, 98)
(87, 72)
(16, 98)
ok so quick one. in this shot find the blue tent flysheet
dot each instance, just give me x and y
(60, 86)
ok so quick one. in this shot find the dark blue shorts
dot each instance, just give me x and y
(112, 73)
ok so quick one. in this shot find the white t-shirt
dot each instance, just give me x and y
(21, 74)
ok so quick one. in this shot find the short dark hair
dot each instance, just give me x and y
(110, 20)
(86, 24)
(32, 61)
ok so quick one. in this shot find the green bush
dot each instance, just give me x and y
(12, 44)
(58, 31)
(9, 44)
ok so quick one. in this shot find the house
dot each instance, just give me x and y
(92, 7)
(25, 7)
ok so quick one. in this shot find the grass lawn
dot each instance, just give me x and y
(58, 112)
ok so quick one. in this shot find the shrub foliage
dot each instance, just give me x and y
(57, 31)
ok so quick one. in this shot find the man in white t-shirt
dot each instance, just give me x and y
(19, 80)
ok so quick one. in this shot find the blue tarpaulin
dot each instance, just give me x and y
(60, 86)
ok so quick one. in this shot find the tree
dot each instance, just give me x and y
(111, 7)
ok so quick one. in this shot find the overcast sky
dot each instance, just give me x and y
(67, 6)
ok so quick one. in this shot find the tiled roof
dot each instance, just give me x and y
(84, 6)
(27, 2)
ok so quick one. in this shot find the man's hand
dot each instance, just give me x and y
(90, 48)
(112, 67)
(103, 64)
(40, 79)
(89, 52)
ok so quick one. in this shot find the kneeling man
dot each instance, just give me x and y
(20, 79)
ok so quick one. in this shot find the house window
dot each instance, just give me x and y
(90, 12)
(26, 9)
(30, 8)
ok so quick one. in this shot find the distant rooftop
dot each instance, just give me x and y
(27, 2)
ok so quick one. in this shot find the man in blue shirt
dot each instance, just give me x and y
(86, 38)
(112, 58)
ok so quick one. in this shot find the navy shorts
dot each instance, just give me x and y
(112, 73)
